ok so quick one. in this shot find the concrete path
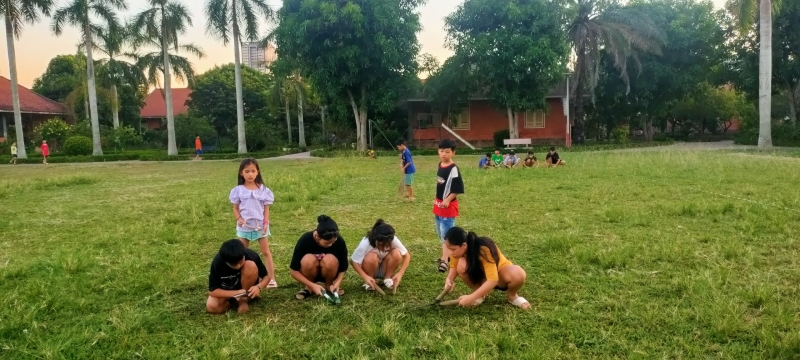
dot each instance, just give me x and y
(298, 156)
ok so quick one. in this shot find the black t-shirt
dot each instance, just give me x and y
(452, 175)
(224, 277)
(307, 245)
(553, 157)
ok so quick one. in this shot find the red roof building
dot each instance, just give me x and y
(34, 107)
(154, 112)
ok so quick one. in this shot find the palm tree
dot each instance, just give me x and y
(281, 93)
(745, 12)
(160, 25)
(225, 20)
(621, 32)
(16, 12)
(116, 72)
(79, 13)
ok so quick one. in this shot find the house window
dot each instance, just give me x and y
(460, 121)
(425, 121)
(534, 119)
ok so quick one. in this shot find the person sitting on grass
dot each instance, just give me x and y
(553, 159)
(511, 160)
(530, 160)
(371, 153)
(320, 256)
(481, 265)
(486, 162)
(497, 158)
(381, 255)
(237, 276)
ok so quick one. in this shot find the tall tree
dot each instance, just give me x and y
(225, 20)
(450, 86)
(161, 25)
(786, 60)
(518, 49)
(80, 14)
(595, 28)
(747, 13)
(360, 52)
(16, 13)
(115, 71)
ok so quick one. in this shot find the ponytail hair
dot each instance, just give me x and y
(458, 236)
(381, 232)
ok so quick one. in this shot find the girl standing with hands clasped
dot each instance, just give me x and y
(479, 263)
(251, 201)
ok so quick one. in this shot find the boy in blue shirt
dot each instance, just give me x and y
(486, 162)
(407, 168)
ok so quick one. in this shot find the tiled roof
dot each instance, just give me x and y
(156, 107)
(29, 101)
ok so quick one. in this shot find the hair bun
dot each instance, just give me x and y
(323, 218)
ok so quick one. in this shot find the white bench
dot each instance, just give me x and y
(509, 142)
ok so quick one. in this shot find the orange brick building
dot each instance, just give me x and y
(480, 120)
(154, 111)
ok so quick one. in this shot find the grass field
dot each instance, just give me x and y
(628, 255)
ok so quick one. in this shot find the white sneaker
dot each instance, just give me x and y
(389, 283)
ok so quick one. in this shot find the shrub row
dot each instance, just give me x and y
(330, 153)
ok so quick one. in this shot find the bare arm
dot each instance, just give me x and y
(237, 214)
(219, 293)
(404, 266)
(482, 291)
(337, 282)
(302, 279)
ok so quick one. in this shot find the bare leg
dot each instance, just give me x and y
(445, 253)
(330, 269)
(513, 277)
(309, 267)
(370, 264)
(263, 243)
(462, 273)
(391, 263)
(216, 305)
(249, 279)
(410, 191)
(245, 242)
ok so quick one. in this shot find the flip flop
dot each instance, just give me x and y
(303, 294)
(519, 301)
(272, 284)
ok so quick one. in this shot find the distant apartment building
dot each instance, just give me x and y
(257, 57)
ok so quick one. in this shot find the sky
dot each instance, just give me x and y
(38, 45)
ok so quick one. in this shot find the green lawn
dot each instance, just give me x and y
(628, 255)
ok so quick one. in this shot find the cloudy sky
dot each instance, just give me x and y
(37, 45)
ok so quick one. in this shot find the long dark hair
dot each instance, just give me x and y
(245, 163)
(381, 232)
(458, 236)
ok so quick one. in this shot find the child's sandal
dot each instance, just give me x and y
(443, 266)
(519, 302)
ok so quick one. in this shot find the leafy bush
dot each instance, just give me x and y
(188, 127)
(78, 145)
(260, 135)
(81, 128)
(121, 137)
(55, 131)
(782, 135)
(620, 134)
(500, 136)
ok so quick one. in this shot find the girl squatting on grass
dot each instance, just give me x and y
(481, 265)
(320, 256)
(381, 255)
(251, 201)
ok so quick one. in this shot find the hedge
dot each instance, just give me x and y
(143, 155)
(330, 153)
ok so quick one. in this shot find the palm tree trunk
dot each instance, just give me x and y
(323, 108)
(765, 76)
(98, 149)
(301, 136)
(579, 130)
(792, 103)
(172, 147)
(238, 76)
(115, 112)
(12, 67)
(288, 117)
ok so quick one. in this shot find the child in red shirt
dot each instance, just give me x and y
(449, 185)
(45, 151)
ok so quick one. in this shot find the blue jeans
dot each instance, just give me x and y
(443, 224)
